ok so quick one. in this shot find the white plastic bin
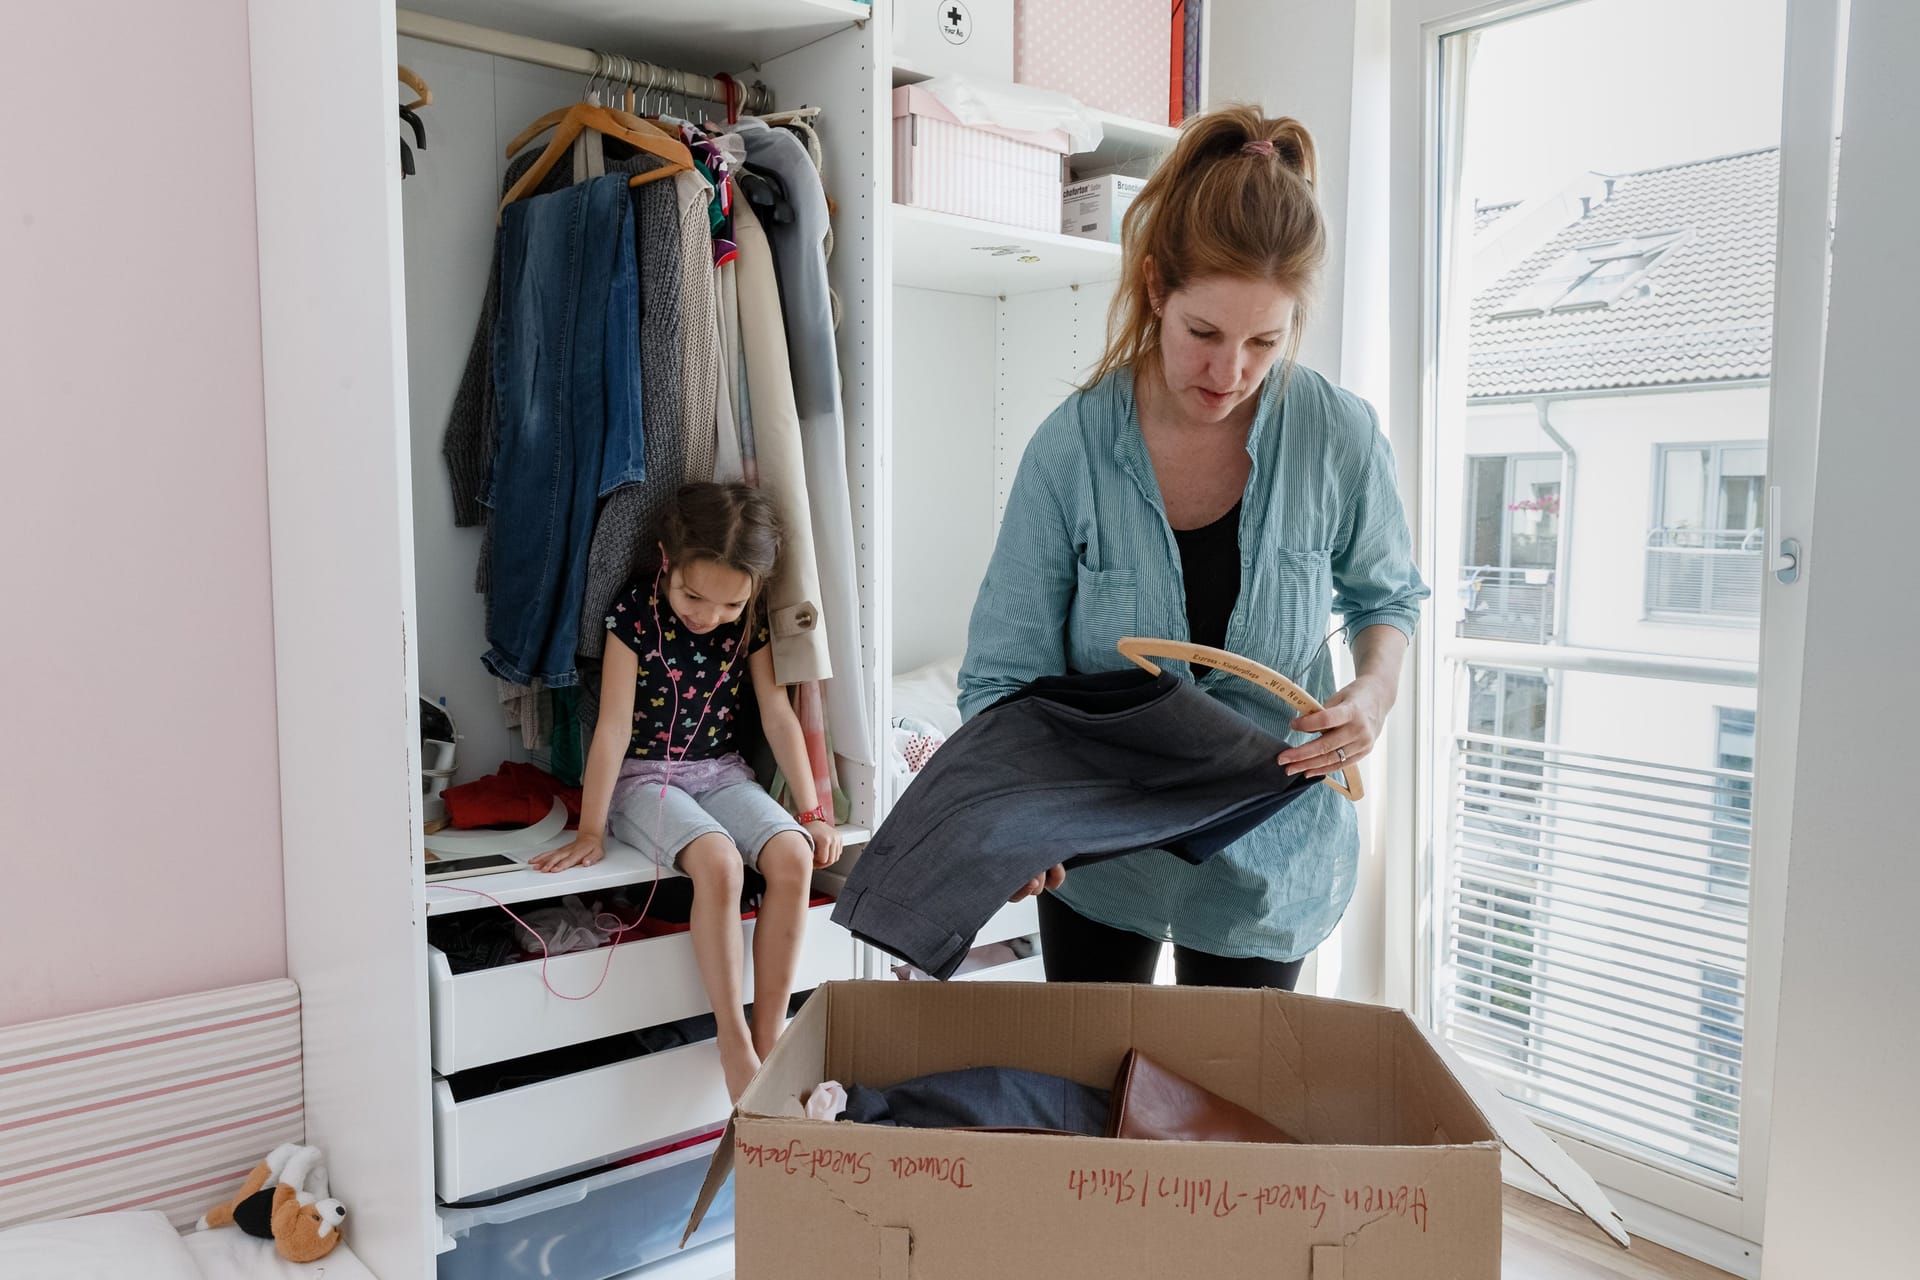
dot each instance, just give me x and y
(599, 1226)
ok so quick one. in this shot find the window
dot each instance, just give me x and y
(1512, 547)
(1717, 1053)
(1591, 276)
(1495, 942)
(1705, 551)
(1732, 805)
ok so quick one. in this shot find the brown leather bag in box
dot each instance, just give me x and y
(1150, 1101)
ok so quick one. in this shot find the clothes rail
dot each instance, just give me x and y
(755, 97)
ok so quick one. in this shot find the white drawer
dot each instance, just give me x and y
(1015, 920)
(492, 1015)
(522, 1134)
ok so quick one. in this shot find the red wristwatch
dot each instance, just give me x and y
(816, 814)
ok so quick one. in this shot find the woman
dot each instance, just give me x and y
(1202, 486)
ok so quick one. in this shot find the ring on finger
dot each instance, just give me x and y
(1342, 753)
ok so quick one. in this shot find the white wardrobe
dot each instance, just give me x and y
(956, 339)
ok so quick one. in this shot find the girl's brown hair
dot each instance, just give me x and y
(1235, 198)
(730, 524)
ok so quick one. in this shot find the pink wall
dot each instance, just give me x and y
(139, 784)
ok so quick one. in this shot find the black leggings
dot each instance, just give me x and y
(1077, 949)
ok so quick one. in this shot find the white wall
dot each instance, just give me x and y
(945, 516)
(1845, 1128)
(1322, 61)
(479, 102)
(139, 777)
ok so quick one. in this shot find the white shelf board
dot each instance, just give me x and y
(1122, 139)
(623, 865)
(701, 36)
(964, 255)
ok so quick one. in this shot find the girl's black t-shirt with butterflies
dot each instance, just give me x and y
(707, 673)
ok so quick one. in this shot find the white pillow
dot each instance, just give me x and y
(932, 694)
(100, 1246)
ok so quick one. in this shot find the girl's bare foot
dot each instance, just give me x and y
(739, 1061)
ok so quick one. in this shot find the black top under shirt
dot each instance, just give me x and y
(1210, 562)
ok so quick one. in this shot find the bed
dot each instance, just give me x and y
(120, 1128)
(925, 714)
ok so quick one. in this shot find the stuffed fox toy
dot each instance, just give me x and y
(303, 1225)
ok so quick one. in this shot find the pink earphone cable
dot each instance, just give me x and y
(659, 813)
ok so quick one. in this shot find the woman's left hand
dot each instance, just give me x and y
(826, 843)
(1348, 726)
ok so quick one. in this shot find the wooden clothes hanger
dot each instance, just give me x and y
(412, 80)
(1140, 650)
(631, 130)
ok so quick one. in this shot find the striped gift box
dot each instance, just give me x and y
(996, 175)
(164, 1105)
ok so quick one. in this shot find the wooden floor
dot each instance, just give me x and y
(1546, 1242)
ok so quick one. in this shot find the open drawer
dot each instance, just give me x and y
(509, 1138)
(493, 1015)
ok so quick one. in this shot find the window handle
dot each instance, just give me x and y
(1786, 561)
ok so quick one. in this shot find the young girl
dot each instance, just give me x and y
(664, 770)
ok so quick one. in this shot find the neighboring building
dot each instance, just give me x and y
(1613, 474)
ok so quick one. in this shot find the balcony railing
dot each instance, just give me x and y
(1507, 604)
(1712, 573)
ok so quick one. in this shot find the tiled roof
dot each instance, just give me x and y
(1485, 215)
(1704, 312)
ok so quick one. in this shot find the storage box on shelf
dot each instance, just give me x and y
(1113, 54)
(954, 37)
(1003, 176)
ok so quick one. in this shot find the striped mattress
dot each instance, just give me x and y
(164, 1105)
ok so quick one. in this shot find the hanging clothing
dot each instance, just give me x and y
(799, 638)
(566, 372)
(699, 330)
(733, 374)
(629, 519)
(808, 314)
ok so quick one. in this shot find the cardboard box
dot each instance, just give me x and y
(954, 37)
(997, 175)
(1113, 55)
(1401, 1178)
(1092, 208)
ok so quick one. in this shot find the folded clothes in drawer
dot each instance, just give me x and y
(599, 1225)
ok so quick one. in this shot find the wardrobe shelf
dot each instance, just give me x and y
(690, 35)
(1123, 139)
(964, 255)
(622, 865)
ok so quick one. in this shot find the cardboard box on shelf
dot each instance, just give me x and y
(954, 37)
(997, 175)
(1398, 1173)
(1113, 54)
(1092, 208)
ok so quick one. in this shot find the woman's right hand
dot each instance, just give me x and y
(585, 850)
(1052, 878)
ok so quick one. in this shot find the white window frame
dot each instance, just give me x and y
(1724, 1229)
